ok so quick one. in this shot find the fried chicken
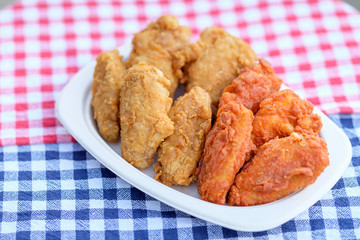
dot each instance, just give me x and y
(108, 79)
(179, 154)
(281, 114)
(226, 146)
(157, 44)
(144, 107)
(254, 84)
(213, 62)
(280, 167)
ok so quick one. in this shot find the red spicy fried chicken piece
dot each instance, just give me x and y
(225, 148)
(280, 167)
(254, 84)
(281, 114)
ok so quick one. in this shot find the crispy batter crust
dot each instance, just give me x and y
(179, 154)
(144, 107)
(281, 114)
(108, 79)
(213, 62)
(157, 44)
(225, 149)
(280, 167)
(254, 84)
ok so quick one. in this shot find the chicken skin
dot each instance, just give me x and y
(280, 167)
(254, 84)
(225, 150)
(144, 107)
(179, 154)
(157, 44)
(281, 114)
(213, 62)
(108, 80)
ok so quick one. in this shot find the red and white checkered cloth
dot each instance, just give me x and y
(314, 46)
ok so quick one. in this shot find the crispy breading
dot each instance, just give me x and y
(280, 167)
(179, 154)
(281, 114)
(250, 150)
(255, 83)
(213, 62)
(156, 45)
(108, 79)
(225, 150)
(144, 107)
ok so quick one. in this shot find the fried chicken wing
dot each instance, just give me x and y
(144, 107)
(108, 79)
(157, 44)
(280, 167)
(254, 84)
(226, 146)
(281, 114)
(179, 154)
(213, 62)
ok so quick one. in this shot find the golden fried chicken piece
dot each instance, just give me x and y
(144, 107)
(157, 44)
(213, 62)
(281, 114)
(254, 84)
(280, 167)
(179, 154)
(108, 79)
(225, 148)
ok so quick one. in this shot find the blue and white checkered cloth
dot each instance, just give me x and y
(53, 191)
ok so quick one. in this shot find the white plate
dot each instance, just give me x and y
(73, 111)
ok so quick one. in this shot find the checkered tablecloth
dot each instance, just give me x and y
(50, 187)
(59, 190)
(314, 45)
